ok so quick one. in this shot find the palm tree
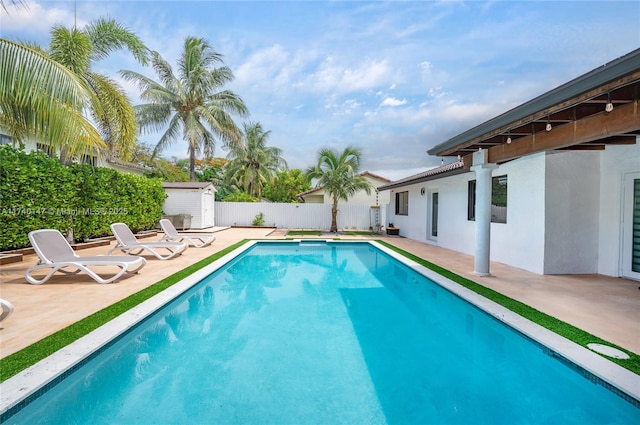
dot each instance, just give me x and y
(43, 100)
(190, 104)
(18, 3)
(111, 109)
(337, 173)
(252, 164)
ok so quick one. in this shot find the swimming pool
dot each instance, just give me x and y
(323, 333)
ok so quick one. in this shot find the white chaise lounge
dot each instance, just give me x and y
(128, 244)
(6, 308)
(198, 240)
(55, 254)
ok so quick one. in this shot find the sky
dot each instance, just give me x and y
(392, 78)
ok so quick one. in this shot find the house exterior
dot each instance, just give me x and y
(320, 196)
(99, 161)
(192, 199)
(551, 186)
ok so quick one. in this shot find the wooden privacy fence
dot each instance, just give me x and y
(297, 216)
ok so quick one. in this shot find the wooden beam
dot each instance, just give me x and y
(620, 140)
(586, 147)
(623, 119)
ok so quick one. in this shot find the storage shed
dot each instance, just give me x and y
(189, 204)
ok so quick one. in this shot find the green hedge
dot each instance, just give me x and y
(38, 192)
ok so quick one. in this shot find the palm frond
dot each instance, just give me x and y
(71, 48)
(41, 98)
(118, 118)
(108, 36)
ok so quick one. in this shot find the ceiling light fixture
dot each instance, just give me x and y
(509, 137)
(548, 127)
(609, 106)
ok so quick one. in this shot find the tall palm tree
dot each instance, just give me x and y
(78, 50)
(337, 173)
(43, 100)
(252, 164)
(191, 103)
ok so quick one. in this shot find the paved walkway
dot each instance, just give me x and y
(604, 306)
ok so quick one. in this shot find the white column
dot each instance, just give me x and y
(483, 217)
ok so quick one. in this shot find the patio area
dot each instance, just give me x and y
(604, 306)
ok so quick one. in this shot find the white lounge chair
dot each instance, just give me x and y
(198, 240)
(128, 244)
(6, 308)
(55, 254)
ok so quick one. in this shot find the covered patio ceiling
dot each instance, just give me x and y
(591, 112)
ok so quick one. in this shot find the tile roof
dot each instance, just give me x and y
(431, 174)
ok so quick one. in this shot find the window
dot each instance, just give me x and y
(6, 140)
(635, 254)
(402, 203)
(434, 214)
(498, 200)
(471, 203)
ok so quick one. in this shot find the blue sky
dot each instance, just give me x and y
(392, 78)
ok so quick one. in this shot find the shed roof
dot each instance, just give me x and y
(187, 185)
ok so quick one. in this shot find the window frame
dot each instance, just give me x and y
(402, 203)
(471, 198)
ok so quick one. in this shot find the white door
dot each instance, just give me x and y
(207, 207)
(631, 227)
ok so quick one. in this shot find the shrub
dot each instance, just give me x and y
(37, 192)
(258, 220)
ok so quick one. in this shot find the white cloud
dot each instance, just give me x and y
(437, 92)
(332, 76)
(262, 65)
(468, 113)
(36, 18)
(392, 101)
(425, 66)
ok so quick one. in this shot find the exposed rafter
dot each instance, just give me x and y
(591, 112)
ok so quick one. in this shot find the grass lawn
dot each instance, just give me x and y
(304, 233)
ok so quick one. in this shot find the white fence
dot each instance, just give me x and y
(298, 216)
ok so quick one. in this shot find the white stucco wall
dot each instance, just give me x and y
(571, 215)
(519, 242)
(615, 162)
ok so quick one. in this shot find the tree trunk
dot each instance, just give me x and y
(334, 217)
(192, 163)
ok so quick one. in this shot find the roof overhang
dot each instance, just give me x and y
(597, 109)
(432, 174)
(189, 185)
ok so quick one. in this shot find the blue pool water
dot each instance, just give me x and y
(336, 333)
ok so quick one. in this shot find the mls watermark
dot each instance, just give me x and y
(16, 211)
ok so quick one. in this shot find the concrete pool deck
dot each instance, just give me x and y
(604, 306)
